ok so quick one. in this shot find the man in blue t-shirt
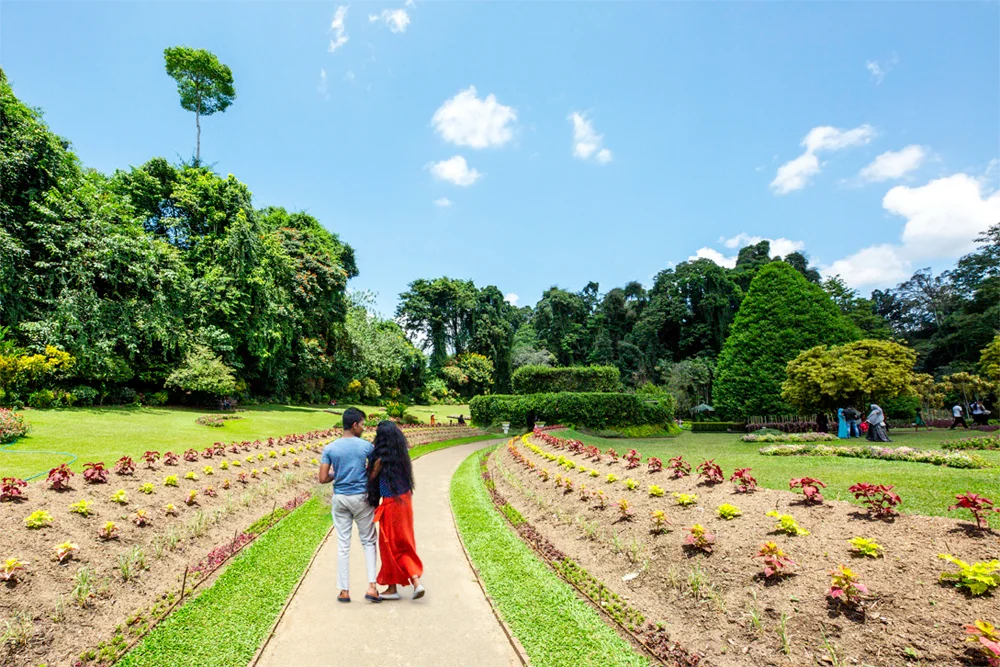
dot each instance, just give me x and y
(345, 463)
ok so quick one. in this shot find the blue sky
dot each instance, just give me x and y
(570, 141)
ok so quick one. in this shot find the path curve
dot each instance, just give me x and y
(452, 625)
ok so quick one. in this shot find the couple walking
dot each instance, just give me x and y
(373, 484)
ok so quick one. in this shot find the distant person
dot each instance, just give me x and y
(390, 490)
(958, 412)
(822, 423)
(852, 416)
(345, 463)
(918, 421)
(876, 425)
(433, 421)
(461, 420)
(843, 432)
(980, 415)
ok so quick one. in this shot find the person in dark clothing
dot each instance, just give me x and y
(822, 423)
(852, 416)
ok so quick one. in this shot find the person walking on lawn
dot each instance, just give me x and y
(345, 463)
(958, 411)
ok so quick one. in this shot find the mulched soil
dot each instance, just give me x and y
(39, 590)
(910, 618)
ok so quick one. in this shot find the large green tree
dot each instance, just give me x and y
(782, 314)
(204, 84)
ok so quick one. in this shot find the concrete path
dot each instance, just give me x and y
(452, 625)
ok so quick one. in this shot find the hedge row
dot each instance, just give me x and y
(593, 410)
(543, 379)
(716, 427)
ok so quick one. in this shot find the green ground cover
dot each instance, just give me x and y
(925, 488)
(227, 623)
(555, 626)
(108, 433)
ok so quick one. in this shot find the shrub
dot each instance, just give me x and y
(699, 538)
(545, 379)
(655, 464)
(660, 522)
(170, 459)
(170, 480)
(58, 479)
(119, 497)
(632, 459)
(845, 586)
(81, 507)
(866, 547)
(592, 410)
(191, 455)
(685, 499)
(710, 472)
(655, 491)
(84, 395)
(787, 524)
(125, 466)
(879, 498)
(95, 473)
(65, 551)
(631, 484)
(745, 482)
(157, 398)
(979, 506)
(716, 427)
(977, 442)
(10, 489)
(678, 467)
(977, 577)
(776, 562)
(11, 569)
(43, 399)
(108, 531)
(38, 519)
(12, 426)
(150, 457)
(810, 488)
(728, 512)
(950, 459)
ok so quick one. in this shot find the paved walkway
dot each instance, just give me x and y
(452, 625)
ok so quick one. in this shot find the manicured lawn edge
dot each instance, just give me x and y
(227, 624)
(421, 450)
(550, 621)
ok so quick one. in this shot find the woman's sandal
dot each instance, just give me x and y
(347, 599)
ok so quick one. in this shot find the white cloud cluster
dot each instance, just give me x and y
(396, 19)
(467, 120)
(894, 164)
(587, 142)
(943, 219)
(795, 174)
(442, 202)
(455, 170)
(879, 70)
(779, 247)
(511, 298)
(338, 28)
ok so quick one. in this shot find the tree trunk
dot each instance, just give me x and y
(197, 122)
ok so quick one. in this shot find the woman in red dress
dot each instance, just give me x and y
(390, 491)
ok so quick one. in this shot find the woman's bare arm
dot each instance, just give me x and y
(375, 469)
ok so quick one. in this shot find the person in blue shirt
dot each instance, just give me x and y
(345, 463)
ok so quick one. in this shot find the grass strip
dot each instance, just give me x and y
(226, 624)
(420, 450)
(553, 624)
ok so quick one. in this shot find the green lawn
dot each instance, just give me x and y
(108, 433)
(228, 622)
(924, 488)
(553, 624)
(421, 450)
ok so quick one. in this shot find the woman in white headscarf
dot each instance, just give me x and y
(876, 425)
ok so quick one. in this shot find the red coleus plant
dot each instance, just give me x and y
(655, 464)
(699, 538)
(776, 562)
(810, 488)
(679, 467)
(208, 453)
(151, 457)
(979, 506)
(987, 640)
(879, 498)
(191, 455)
(241, 478)
(710, 472)
(632, 459)
(58, 479)
(612, 455)
(845, 586)
(95, 473)
(124, 466)
(11, 487)
(625, 510)
(170, 459)
(745, 482)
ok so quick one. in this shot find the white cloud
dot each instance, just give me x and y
(322, 87)
(338, 28)
(894, 164)
(443, 202)
(409, 3)
(779, 248)
(466, 120)
(511, 298)
(455, 170)
(943, 219)
(715, 256)
(795, 174)
(586, 141)
(879, 70)
(396, 19)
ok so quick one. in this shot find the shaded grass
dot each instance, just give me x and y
(555, 626)
(924, 488)
(227, 623)
(421, 450)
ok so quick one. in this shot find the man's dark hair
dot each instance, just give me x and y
(352, 416)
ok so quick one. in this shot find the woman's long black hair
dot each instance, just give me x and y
(393, 451)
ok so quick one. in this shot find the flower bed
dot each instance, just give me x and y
(215, 420)
(949, 459)
(977, 442)
(12, 426)
(790, 437)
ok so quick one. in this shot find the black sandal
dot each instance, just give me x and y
(372, 598)
(347, 599)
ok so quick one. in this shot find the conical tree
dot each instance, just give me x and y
(782, 314)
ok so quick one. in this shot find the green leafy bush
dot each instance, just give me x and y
(716, 427)
(977, 577)
(84, 395)
(544, 379)
(594, 410)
